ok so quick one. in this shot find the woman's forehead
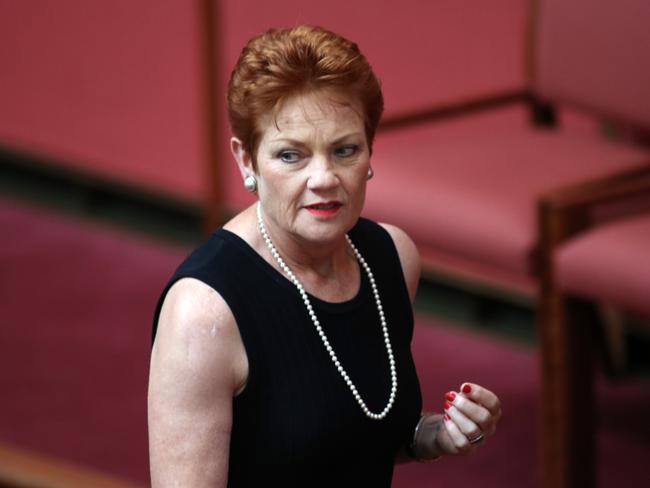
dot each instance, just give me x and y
(321, 112)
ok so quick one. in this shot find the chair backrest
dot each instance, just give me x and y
(596, 54)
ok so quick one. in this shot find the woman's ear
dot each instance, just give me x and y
(244, 161)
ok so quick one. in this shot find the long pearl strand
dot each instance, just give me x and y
(319, 329)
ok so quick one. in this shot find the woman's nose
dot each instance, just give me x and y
(322, 175)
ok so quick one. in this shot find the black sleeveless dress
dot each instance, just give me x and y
(296, 423)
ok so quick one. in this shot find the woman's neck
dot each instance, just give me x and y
(328, 270)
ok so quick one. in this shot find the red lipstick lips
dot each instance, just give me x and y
(324, 209)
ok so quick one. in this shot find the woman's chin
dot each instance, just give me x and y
(326, 231)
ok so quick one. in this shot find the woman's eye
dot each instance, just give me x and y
(346, 151)
(289, 156)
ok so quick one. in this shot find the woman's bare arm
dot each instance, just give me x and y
(198, 363)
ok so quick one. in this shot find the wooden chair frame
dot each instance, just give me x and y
(567, 403)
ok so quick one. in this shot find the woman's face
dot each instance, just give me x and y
(312, 167)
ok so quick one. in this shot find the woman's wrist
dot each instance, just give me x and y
(424, 445)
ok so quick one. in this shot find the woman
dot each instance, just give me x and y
(282, 345)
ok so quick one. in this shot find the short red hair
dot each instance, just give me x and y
(281, 63)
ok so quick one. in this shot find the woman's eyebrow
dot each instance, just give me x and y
(296, 142)
(288, 140)
(347, 136)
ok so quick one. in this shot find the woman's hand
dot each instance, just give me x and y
(471, 416)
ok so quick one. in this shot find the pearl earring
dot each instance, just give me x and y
(250, 183)
(371, 173)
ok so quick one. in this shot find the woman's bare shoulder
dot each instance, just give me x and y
(193, 305)
(408, 255)
(197, 327)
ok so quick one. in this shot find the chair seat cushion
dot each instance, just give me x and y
(468, 186)
(610, 263)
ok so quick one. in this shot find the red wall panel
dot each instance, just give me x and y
(114, 86)
(111, 86)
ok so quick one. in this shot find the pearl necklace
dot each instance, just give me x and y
(319, 329)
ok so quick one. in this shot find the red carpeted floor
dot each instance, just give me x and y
(76, 300)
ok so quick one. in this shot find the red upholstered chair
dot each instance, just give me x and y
(466, 188)
(596, 247)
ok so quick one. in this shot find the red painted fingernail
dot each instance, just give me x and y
(447, 405)
(446, 418)
(450, 396)
(466, 388)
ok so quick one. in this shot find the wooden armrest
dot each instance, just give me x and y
(567, 211)
(618, 186)
(455, 108)
(22, 468)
